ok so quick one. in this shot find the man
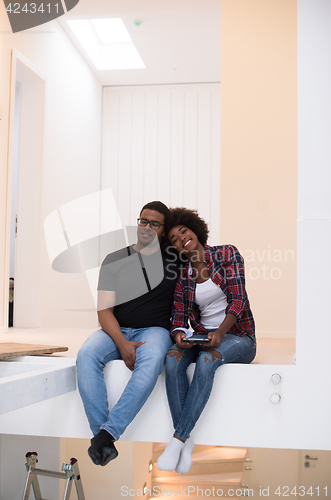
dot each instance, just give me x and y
(135, 293)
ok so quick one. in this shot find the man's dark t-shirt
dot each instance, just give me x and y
(143, 285)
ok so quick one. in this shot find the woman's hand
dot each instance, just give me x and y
(215, 339)
(216, 336)
(178, 340)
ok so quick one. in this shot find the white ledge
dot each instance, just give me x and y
(28, 380)
(238, 413)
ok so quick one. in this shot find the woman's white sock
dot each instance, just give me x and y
(185, 459)
(169, 458)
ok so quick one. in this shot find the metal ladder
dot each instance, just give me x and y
(70, 474)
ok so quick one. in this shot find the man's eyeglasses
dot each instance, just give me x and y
(154, 224)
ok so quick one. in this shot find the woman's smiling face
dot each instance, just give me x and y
(183, 239)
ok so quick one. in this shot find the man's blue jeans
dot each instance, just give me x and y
(92, 358)
(186, 401)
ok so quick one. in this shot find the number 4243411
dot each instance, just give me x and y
(301, 491)
(32, 8)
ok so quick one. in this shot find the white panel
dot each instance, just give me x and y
(109, 216)
(314, 236)
(164, 144)
(151, 145)
(314, 100)
(168, 142)
(137, 180)
(110, 134)
(313, 291)
(204, 200)
(190, 149)
(125, 156)
(177, 182)
(215, 186)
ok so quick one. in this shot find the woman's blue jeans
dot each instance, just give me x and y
(92, 358)
(186, 401)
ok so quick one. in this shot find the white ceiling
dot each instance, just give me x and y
(178, 40)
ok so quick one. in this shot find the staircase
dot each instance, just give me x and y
(217, 472)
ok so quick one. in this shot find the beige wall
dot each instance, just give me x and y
(259, 153)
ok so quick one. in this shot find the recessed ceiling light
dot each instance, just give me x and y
(107, 43)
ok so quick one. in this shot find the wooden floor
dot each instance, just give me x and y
(269, 351)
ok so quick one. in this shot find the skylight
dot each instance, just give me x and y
(107, 43)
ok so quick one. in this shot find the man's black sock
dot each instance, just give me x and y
(102, 449)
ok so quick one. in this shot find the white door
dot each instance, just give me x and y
(26, 190)
(162, 142)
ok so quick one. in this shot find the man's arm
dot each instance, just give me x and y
(110, 325)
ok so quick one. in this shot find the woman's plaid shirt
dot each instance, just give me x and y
(226, 269)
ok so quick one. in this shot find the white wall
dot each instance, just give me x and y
(129, 470)
(314, 201)
(71, 154)
(13, 472)
(314, 67)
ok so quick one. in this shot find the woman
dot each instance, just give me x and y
(210, 293)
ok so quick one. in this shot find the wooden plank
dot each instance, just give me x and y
(9, 349)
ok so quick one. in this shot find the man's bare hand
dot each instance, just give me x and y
(128, 353)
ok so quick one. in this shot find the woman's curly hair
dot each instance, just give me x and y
(181, 216)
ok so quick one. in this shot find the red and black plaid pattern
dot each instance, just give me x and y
(226, 269)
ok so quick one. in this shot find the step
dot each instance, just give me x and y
(207, 452)
(201, 467)
(199, 489)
